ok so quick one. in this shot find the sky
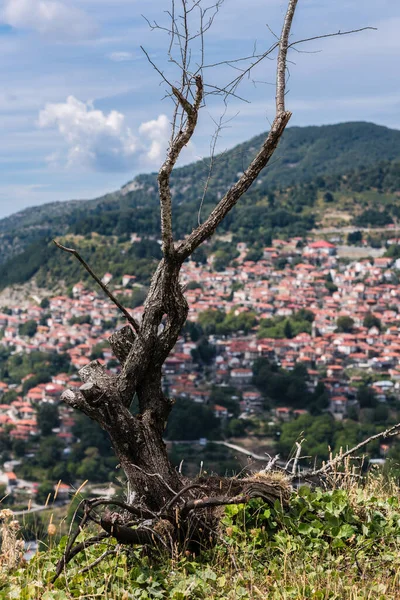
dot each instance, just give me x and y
(82, 111)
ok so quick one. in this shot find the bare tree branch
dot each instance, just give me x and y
(204, 231)
(282, 57)
(230, 88)
(190, 486)
(394, 430)
(105, 289)
(297, 457)
(180, 141)
(271, 463)
(282, 117)
(327, 35)
(218, 128)
(98, 560)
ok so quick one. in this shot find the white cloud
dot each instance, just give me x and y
(102, 141)
(120, 56)
(50, 17)
(157, 132)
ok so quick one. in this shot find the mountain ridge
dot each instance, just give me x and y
(253, 143)
(353, 168)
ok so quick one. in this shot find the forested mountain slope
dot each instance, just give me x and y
(318, 175)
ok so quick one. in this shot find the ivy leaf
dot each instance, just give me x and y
(345, 531)
(305, 528)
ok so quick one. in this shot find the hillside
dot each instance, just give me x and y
(340, 543)
(324, 175)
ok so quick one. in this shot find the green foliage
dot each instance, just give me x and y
(287, 330)
(380, 175)
(204, 352)
(327, 544)
(236, 427)
(255, 254)
(47, 418)
(210, 319)
(191, 421)
(322, 433)
(45, 303)
(32, 524)
(393, 251)
(19, 448)
(135, 298)
(355, 237)
(92, 463)
(192, 330)
(98, 350)
(219, 323)
(13, 368)
(282, 327)
(194, 285)
(9, 397)
(370, 320)
(373, 218)
(335, 527)
(26, 264)
(50, 452)
(284, 388)
(224, 255)
(345, 324)
(375, 241)
(102, 253)
(92, 451)
(227, 396)
(330, 286)
(366, 397)
(28, 329)
(44, 490)
(81, 320)
(243, 322)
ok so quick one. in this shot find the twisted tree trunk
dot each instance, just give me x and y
(138, 439)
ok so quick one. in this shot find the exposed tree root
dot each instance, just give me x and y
(188, 520)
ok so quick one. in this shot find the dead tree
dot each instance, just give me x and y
(155, 489)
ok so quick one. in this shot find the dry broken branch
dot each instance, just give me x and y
(328, 35)
(105, 289)
(391, 431)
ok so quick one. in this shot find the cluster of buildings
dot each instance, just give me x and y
(268, 288)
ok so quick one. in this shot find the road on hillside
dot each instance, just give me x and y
(352, 229)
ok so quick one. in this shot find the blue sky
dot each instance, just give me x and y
(82, 111)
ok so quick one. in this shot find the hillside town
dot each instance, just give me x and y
(290, 276)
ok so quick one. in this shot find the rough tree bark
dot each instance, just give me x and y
(153, 483)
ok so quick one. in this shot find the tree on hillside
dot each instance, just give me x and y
(345, 324)
(29, 328)
(47, 418)
(371, 320)
(393, 251)
(366, 397)
(178, 510)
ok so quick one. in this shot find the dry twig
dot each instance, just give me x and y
(105, 289)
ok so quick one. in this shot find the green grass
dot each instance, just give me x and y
(341, 544)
